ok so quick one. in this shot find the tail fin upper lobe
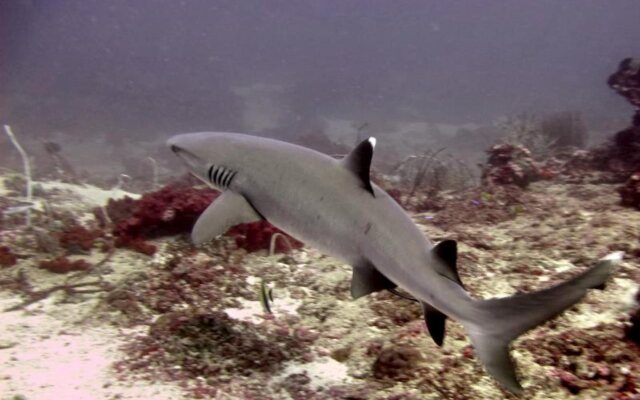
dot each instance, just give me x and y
(504, 319)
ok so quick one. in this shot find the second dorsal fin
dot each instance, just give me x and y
(359, 162)
(447, 252)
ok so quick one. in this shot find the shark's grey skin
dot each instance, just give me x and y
(331, 205)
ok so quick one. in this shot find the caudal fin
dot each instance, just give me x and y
(502, 320)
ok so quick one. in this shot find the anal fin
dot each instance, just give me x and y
(436, 323)
(367, 279)
(227, 210)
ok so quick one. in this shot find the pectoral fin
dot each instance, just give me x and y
(227, 210)
(436, 322)
(366, 279)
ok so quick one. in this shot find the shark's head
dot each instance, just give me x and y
(208, 155)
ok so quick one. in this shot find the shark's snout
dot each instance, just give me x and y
(193, 162)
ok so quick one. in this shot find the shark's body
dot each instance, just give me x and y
(331, 205)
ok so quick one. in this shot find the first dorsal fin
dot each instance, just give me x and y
(447, 252)
(359, 162)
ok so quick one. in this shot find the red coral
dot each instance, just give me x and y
(136, 244)
(7, 258)
(63, 265)
(117, 210)
(173, 210)
(256, 236)
(78, 239)
(168, 211)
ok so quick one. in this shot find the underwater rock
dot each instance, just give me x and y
(620, 157)
(510, 164)
(626, 82)
(630, 192)
(7, 258)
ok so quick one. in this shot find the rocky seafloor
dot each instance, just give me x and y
(179, 322)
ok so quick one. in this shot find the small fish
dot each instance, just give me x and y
(265, 295)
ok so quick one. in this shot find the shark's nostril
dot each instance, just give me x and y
(175, 148)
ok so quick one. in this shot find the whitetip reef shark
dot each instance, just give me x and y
(333, 206)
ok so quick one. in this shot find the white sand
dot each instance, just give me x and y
(45, 354)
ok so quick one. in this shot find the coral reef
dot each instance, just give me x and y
(510, 164)
(62, 265)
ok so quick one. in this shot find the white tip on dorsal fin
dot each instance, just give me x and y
(615, 257)
(359, 162)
